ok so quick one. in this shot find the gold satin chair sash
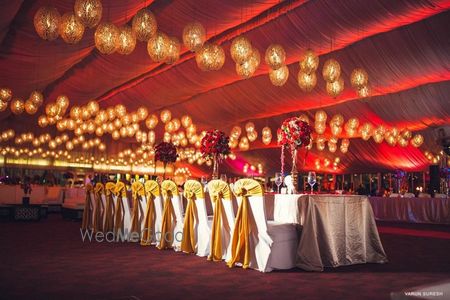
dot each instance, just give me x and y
(109, 209)
(168, 189)
(98, 217)
(137, 189)
(151, 191)
(87, 213)
(120, 193)
(192, 190)
(240, 242)
(218, 190)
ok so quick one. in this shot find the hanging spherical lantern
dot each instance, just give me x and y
(248, 68)
(144, 25)
(304, 118)
(275, 56)
(359, 78)
(186, 121)
(93, 107)
(331, 70)
(36, 98)
(173, 50)
(352, 123)
(89, 12)
(5, 94)
(417, 140)
(406, 134)
(236, 132)
(252, 136)
(266, 131)
(158, 47)
(309, 62)
(71, 29)
(241, 49)
(402, 142)
(244, 144)
(320, 116)
(378, 135)
(46, 23)
(42, 121)
(210, 57)
(335, 129)
(30, 107)
(366, 131)
(279, 76)
(332, 147)
(320, 127)
(17, 106)
(364, 92)
(3, 106)
(106, 38)
(337, 120)
(126, 41)
(120, 110)
(151, 121)
(307, 82)
(335, 88)
(63, 102)
(166, 116)
(320, 143)
(250, 127)
(194, 36)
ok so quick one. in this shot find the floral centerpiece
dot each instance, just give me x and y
(215, 145)
(166, 153)
(293, 135)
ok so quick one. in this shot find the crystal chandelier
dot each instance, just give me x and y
(46, 23)
(106, 38)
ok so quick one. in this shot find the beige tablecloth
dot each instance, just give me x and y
(412, 210)
(337, 230)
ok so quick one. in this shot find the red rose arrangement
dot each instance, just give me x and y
(295, 133)
(166, 152)
(215, 144)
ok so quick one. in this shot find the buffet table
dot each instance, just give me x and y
(412, 210)
(338, 230)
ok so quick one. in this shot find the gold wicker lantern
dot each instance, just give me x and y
(144, 25)
(30, 107)
(331, 70)
(194, 36)
(275, 56)
(36, 98)
(173, 50)
(46, 23)
(106, 38)
(320, 116)
(241, 49)
(71, 29)
(166, 116)
(417, 140)
(17, 106)
(210, 57)
(306, 81)
(151, 121)
(126, 41)
(89, 12)
(364, 92)
(359, 78)
(5, 94)
(279, 76)
(158, 47)
(248, 68)
(3, 106)
(366, 131)
(335, 88)
(309, 62)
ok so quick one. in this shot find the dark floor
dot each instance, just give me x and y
(48, 260)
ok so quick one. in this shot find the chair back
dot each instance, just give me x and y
(153, 213)
(172, 222)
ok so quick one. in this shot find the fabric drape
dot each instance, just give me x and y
(218, 190)
(87, 213)
(99, 190)
(109, 207)
(120, 193)
(151, 192)
(192, 190)
(138, 191)
(168, 189)
(240, 242)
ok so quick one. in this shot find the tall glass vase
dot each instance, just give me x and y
(215, 174)
(294, 172)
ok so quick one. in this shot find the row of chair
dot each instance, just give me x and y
(155, 215)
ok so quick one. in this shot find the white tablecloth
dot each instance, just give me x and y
(337, 230)
(412, 210)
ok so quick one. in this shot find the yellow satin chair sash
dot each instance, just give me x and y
(240, 242)
(98, 217)
(168, 189)
(192, 190)
(218, 190)
(87, 213)
(120, 192)
(109, 209)
(137, 189)
(151, 191)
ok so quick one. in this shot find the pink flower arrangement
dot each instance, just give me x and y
(294, 133)
(166, 153)
(215, 144)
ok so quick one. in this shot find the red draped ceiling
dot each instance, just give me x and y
(403, 45)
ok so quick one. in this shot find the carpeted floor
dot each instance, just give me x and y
(48, 260)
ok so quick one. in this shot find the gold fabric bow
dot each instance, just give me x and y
(87, 213)
(192, 190)
(218, 190)
(240, 243)
(152, 191)
(137, 189)
(99, 209)
(169, 189)
(109, 209)
(120, 192)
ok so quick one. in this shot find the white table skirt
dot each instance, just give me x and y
(412, 210)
